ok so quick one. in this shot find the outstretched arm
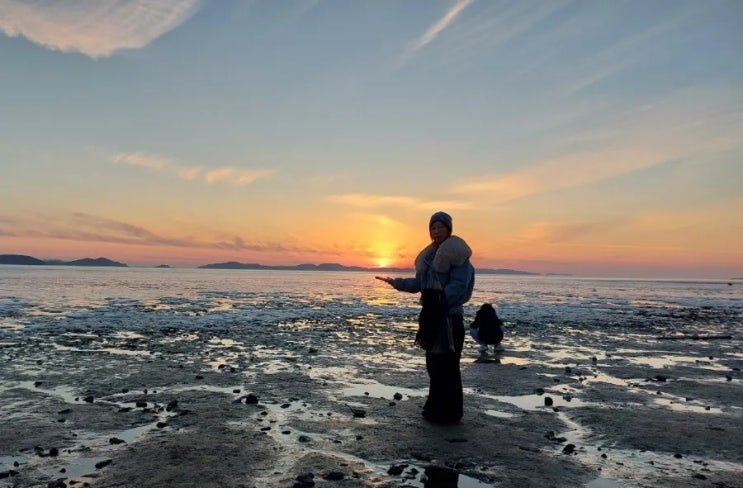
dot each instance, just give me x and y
(411, 285)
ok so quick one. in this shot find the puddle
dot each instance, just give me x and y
(499, 414)
(378, 390)
(681, 405)
(123, 352)
(8, 462)
(668, 360)
(66, 393)
(436, 476)
(534, 401)
(80, 467)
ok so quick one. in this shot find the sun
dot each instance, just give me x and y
(382, 262)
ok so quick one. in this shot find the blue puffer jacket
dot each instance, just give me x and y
(444, 267)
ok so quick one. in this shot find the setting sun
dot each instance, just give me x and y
(382, 262)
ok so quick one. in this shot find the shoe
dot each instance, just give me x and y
(483, 349)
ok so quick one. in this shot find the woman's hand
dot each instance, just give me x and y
(386, 279)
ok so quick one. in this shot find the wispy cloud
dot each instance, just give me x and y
(85, 227)
(96, 28)
(436, 28)
(366, 200)
(142, 159)
(683, 125)
(235, 176)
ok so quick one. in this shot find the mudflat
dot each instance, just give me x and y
(340, 406)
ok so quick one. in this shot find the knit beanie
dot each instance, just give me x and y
(442, 217)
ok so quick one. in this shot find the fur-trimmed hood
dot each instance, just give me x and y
(450, 253)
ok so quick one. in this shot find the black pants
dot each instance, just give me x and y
(445, 397)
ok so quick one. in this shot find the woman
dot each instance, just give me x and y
(445, 278)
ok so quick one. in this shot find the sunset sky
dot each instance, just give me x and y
(598, 138)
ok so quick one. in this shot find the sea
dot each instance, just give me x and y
(52, 299)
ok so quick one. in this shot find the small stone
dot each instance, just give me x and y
(304, 438)
(548, 401)
(88, 399)
(334, 476)
(251, 399)
(678, 456)
(116, 440)
(199, 377)
(397, 396)
(103, 464)
(160, 425)
(54, 452)
(569, 449)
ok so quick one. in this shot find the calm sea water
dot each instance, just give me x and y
(50, 298)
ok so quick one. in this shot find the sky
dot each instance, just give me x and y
(596, 138)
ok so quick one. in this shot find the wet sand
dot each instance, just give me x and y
(340, 407)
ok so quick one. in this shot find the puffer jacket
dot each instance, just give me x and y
(444, 267)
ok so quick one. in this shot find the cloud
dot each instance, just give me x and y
(437, 28)
(234, 176)
(365, 200)
(85, 227)
(141, 159)
(96, 28)
(689, 124)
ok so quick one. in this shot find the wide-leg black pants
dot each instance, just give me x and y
(445, 397)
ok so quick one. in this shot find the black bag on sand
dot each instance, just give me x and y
(434, 326)
(489, 325)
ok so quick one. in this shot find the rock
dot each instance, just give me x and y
(358, 412)
(396, 470)
(334, 476)
(58, 483)
(548, 401)
(397, 396)
(88, 399)
(251, 399)
(116, 440)
(64, 412)
(569, 449)
(660, 377)
(141, 404)
(303, 438)
(305, 480)
(103, 464)
(286, 405)
(37, 384)
(172, 405)
(160, 425)
(539, 391)
(54, 452)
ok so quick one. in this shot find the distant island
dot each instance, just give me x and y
(20, 259)
(340, 267)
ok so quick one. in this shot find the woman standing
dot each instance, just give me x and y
(445, 279)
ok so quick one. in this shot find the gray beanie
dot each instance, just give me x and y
(442, 217)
